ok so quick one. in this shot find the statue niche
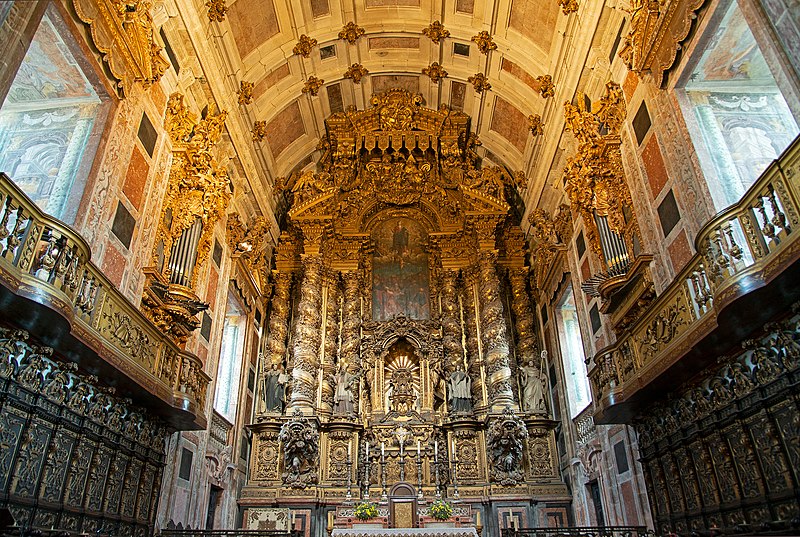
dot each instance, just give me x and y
(400, 283)
(402, 381)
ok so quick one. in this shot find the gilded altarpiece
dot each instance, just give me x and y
(399, 322)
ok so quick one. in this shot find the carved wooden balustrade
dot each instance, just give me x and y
(584, 425)
(45, 261)
(742, 250)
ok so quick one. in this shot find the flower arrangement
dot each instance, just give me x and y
(441, 510)
(366, 510)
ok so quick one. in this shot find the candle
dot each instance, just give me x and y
(418, 455)
(383, 449)
(349, 452)
(453, 448)
(436, 451)
(367, 451)
(330, 520)
(401, 450)
(477, 518)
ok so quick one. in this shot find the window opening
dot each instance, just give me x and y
(569, 336)
(737, 116)
(230, 360)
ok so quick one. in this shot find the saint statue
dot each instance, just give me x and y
(343, 395)
(460, 388)
(532, 382)
(274, 389)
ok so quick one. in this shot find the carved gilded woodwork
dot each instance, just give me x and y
(49, 257)
(356, 72)
(732, 248)
(595, 178)
(217, 9)
(245, 92)
(307, 335)
(435, 72)
(657, 30)
(124, 33)
(536, 125)
(387, 379)
(351, 32)
(312, 85)
(480, 82)
(252, 245)
(547, 88)
(330, 343)
(484, 42)
(259, 131)
(197, 194)
(523, 315)
(304, 46)
(568, 6)
(436, 32)
(495, 336)
(550, 237)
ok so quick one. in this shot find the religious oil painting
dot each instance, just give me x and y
(400, 270)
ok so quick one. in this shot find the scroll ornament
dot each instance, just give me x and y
(123, 32)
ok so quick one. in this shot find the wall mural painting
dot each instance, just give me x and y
(400, 270)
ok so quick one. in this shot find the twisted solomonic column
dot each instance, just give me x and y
(451, 321)
(330, 344)
(351, 322)
(278, 327)
(523, 314)
(474, 359)
(494, 335)
(307, 335)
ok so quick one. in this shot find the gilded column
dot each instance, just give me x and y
(523, 315)
(451, 325)
(278, 330)
(331, 340)
(494, 335)
(307, 335)
(474, 357)
(351, 322)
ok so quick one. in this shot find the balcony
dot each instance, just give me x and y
(743, 274)
(51, 289)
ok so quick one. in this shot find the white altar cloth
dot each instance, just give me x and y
(405, 532)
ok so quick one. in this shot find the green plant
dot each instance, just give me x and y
(441, 510)
(366, 510)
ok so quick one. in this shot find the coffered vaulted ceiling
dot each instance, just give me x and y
(255, 42)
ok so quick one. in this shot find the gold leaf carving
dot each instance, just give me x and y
(123, 32)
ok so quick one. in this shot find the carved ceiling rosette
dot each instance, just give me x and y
(124, 33)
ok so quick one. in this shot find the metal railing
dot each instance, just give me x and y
(586, 531)
(45, 260)
(742, 246)
(230, 533)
